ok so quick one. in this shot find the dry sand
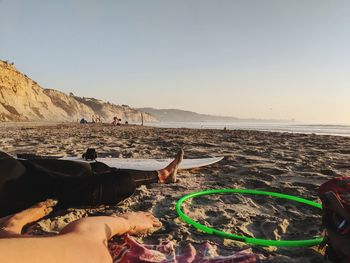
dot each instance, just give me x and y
(290, 163)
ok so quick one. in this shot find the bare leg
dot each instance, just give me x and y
(12, 225)
(168, 174)
(91, 234)
(165, 175)
(109, 226)
(82, 241)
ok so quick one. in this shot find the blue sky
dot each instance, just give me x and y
(260, 59)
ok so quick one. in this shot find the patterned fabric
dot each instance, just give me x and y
(129, 250)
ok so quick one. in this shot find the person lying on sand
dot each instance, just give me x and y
(26, 182)
(84, 240)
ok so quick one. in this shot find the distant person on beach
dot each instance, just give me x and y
(95, 119)
(116, 121)
(26, 182)
(84, 240)
(83, 121)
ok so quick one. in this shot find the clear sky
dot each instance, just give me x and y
(261, 59)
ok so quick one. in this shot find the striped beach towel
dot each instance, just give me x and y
(129, 250)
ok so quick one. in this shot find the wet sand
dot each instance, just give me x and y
(282, 162)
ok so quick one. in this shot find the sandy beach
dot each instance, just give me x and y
(293, 164)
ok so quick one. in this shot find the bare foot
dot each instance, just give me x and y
(142, 222)
(168, 174)
(16, 222)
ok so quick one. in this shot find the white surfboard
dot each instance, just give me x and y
(150, 164)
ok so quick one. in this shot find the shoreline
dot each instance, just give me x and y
(318, 129)
(308, 129)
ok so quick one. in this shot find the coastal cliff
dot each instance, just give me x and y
(23, 99)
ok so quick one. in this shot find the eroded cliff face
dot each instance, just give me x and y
(69, 105)
(22, 99)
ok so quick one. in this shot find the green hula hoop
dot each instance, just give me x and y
(249, 240)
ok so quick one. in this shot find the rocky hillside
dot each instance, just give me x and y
(109, 110)
(22, 99)
(175, 115)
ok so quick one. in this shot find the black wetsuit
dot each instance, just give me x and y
(26, 182)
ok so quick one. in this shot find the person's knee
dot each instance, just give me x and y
(90, 237)
(116, 187)
(128, 184)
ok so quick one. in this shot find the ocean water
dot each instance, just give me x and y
(322, 129)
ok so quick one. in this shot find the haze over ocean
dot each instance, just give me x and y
(338, 130)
